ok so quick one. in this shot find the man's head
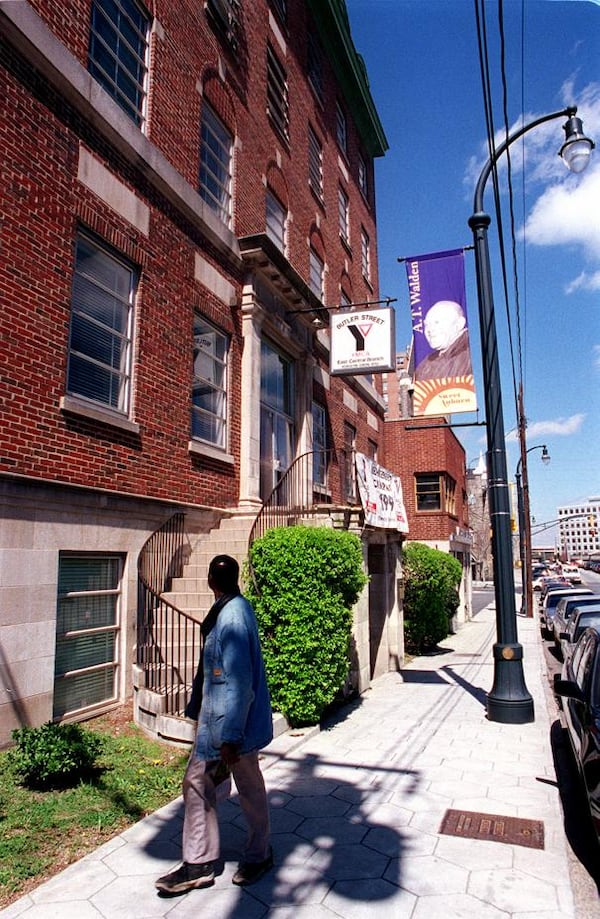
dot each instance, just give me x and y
(443, 324)
(223, 574)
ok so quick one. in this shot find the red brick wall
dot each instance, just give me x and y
(43, 205)
(408, 451)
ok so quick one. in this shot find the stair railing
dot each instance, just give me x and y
(168, 640)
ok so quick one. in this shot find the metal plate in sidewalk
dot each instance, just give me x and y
(512, 830)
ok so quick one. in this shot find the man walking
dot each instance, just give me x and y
(230, 700)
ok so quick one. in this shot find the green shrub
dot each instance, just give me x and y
(54, 754)
(430, 598)
(308, 580)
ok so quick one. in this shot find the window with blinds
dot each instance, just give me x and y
(99, 362)
(315, 163)
(316, 276)
(276, 216)
(209, 389)
(216, 146)
(277, 95)
(118, 53)
(87, 628)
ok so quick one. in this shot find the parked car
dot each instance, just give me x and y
(581, 618)
(565, 607)
(572, 573)
(549, 603)
(553, 582)
(579, 689)
(539, 579)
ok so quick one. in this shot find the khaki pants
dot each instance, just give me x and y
(200, 823)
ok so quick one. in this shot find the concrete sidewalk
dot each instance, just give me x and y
(357, 810)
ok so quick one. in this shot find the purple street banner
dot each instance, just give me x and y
(444, 381)
(381, 495)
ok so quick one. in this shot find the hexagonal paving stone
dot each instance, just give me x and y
(370, 898)
(319, 806)
(292, 885)
(343, 862)
(88, 876)
(513, 891)
(474, 853)
(336, 829)
(455, 906)
(426, 875)
(384, 839)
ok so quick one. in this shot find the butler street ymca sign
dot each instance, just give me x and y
(362, 341)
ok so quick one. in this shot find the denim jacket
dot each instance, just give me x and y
(235, 699)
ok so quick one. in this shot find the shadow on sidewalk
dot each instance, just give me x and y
(326, 835)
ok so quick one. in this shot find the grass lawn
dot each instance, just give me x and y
(41, 832)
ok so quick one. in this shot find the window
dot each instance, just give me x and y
(118, 53)
(315, 163)
(276, 220)
(362, 176)
(209, 388)
(341, 129)
(225, 18)
(319, 419)
(429, 497)
(315, 66)
(87, 627)
(277, 435)
(316, 274)
(435, 492)
(216, 145)
(365, 254)
(344, 215)
(349, 470)
(99, 363)
(277, 95)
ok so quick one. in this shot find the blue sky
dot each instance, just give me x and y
(423, 65)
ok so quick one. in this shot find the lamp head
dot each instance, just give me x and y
(576, 150)
(545, 455)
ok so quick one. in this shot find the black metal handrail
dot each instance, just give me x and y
(168, 640)
(295, 496)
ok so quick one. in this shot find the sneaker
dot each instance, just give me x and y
(250, 872)
(187, 877)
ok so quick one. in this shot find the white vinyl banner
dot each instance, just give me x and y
(381, 495)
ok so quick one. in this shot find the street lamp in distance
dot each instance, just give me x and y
(525, 527)
(509, 701)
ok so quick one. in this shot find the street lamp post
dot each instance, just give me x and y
(525, 527)
(509, 701)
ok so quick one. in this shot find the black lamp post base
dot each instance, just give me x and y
(509, 701)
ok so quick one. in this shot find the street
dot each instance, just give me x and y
(584, 849)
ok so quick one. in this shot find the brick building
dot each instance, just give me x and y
(430, 461)
(185, 186)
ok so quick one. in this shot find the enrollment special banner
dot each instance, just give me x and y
(444, 381)
(381, 495)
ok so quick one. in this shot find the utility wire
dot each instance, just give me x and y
(488, 109)
(512, 218)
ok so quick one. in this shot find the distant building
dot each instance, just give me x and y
(578, 529)
(479, 521)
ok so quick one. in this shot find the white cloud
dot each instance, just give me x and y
(560, 427)
(584, 281)
(567, 214)
(567, 207)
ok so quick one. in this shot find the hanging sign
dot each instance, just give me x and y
(381, 495)
(362, 341)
